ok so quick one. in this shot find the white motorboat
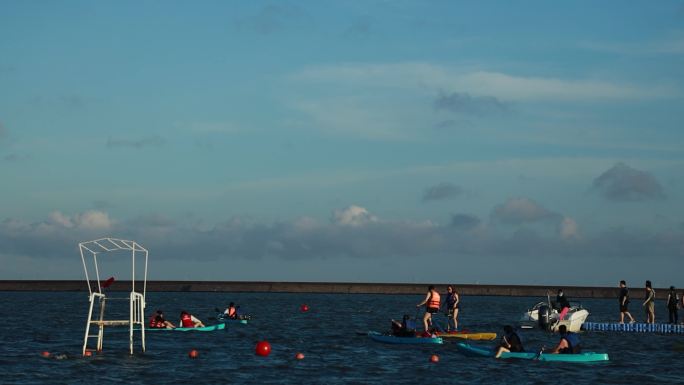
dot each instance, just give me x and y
(545, 316)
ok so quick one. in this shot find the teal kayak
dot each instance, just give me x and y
(580, 357)
(231, 320)
(375, 336)
(209, 328)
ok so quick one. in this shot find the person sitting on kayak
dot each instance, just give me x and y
(231, 311)
(189, 321)
(510, 342)
(569, 342)
(431, 303)
(405, 328)
(159, 322)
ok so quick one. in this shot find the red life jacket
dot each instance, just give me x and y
(186, 321)
(232, 312)
(156, 322)
(434, 300)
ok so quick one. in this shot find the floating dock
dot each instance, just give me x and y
(635, 327)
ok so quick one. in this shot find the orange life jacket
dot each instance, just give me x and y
(232, 312)
(433, 302)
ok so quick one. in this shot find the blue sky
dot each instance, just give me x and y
(393, 141)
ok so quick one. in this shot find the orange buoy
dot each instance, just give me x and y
(263, 348)
(88, 353)
(299, 356)
(304, 307)
(193, 353)
(45, 354)
(434, 358)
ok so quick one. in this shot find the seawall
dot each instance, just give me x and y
(328, 287)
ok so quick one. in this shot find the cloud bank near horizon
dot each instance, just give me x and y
(352, 232)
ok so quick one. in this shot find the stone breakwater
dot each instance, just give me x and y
(329, 287)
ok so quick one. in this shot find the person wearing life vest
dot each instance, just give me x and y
(188, 320)
(569, 342)
(231, 311)
(510, 342)
(157, 321)
(432, 304)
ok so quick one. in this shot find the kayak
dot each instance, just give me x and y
(232, 320)
(209, 328)
(580, 357)
(375, 336)
(466, 335)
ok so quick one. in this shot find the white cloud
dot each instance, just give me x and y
(61, 219)
(88, 220)
(353, 216)
(426, 78)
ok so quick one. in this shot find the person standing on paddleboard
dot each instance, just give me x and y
(432, 304)
(624, 303)
(451, 308)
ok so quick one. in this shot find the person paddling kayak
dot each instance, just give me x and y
(405, 328)
(569, 342)
(189, 321)
(231, 311)
(431, 303)
(510, 342)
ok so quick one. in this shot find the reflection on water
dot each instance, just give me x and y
(327, 334)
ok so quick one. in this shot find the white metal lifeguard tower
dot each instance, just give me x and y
(136, 320)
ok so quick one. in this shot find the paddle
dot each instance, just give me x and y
(538, 355)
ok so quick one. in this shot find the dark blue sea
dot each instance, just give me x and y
(326, 334)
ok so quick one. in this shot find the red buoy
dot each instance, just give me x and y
(88, 353)
(299, 356)
(263, 348)
(304, 307)
(45, 354)
(193, 353)
(434, 358)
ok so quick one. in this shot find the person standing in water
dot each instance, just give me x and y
(673, 305)
(451, 308)
(624, 303)
(431, 302)
(649, 303)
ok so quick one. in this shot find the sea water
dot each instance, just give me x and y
(328, 335)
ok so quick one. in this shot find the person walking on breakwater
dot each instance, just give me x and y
(451, 308)
(673, 305)
(569, 342)
(649, 303)
(510, 342)
(189, 321)
(624, 303)
(431, 302)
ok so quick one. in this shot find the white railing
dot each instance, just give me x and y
(137, 317)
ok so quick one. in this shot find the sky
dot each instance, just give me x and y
(498, 142)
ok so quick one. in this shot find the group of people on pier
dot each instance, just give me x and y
(673, 303)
